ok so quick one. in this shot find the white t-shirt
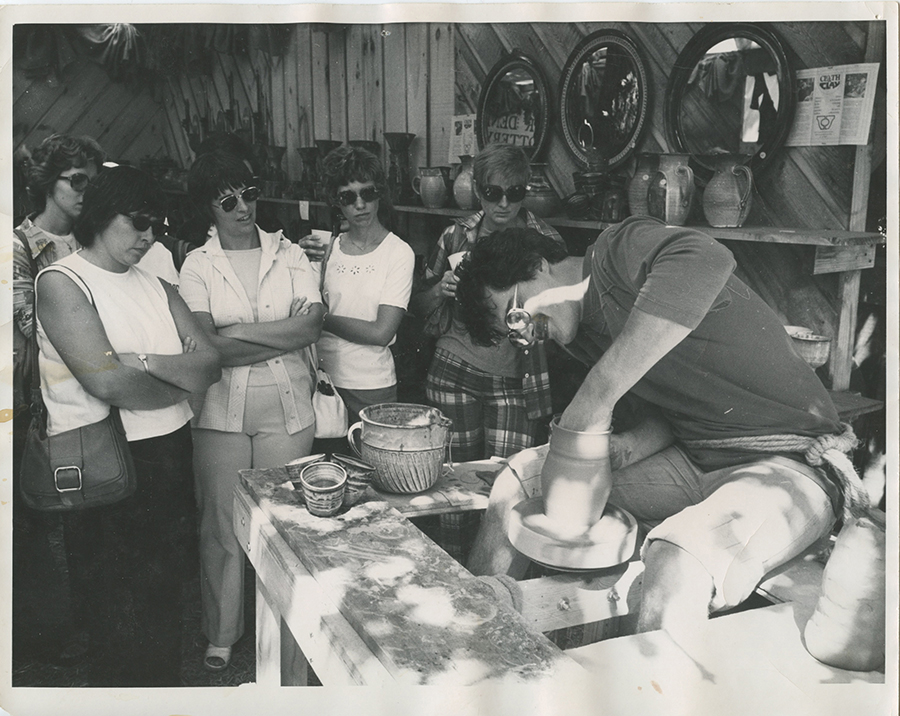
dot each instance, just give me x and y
(134, 310)
(355, 286)
(158, 261)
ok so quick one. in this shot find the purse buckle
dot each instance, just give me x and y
(69, 475)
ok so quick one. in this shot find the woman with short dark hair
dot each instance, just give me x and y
(257, 299)
(111, 334)
(368, 281)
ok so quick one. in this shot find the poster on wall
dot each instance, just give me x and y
(462, 137)
(834, 105)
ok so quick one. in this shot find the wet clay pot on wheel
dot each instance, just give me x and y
(576, 478)
(432, 185)
(671, 191)
(729, 194)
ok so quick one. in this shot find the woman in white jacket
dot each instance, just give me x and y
(257, 298)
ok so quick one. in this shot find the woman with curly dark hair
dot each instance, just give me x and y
(368, 281)
(56, 175)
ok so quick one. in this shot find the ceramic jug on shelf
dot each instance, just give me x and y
(646, 165)
(464, 184)
(729, 194)
(541, 198)
(671, 191)
(433, 186)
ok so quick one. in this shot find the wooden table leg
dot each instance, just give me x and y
(268, 639)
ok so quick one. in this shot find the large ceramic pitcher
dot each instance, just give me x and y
(433, 185)
(405, 443)
(671, 190)
(729, 194)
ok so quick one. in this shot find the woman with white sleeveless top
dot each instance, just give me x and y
(112, 334)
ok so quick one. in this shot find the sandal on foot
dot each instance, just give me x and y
(217, 658)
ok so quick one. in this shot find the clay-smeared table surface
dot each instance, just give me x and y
(426, 618)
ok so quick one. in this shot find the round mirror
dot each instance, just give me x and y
(604, 98)
(514, 106)
(731, 92)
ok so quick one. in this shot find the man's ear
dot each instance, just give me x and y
(544, 266)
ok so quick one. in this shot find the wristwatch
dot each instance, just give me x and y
(142, 357)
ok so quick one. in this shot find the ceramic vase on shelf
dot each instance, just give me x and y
(728, 196)
(432, 184)
(615, 201)
(671, 192)
(541, 199)
(324, 146)
(464, 184)
(308, 156)
(645, 168)
(399, 182)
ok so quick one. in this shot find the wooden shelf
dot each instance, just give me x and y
(851, 405)
(758, 234)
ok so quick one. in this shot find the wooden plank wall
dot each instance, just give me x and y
(803, 187)
(336, 82)
(126, 119)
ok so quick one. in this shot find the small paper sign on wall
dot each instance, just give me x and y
(462, 138)
(834, 105)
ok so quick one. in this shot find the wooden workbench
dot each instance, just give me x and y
(368, 599)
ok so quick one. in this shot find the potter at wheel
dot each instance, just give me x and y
(570, 525)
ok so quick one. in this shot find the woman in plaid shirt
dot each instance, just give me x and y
(494, 395)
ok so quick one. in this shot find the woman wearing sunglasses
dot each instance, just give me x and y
(111, 333)
(257, 298)
(57, 173)
(368, 280)
(494, 395)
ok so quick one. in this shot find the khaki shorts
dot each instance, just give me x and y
(738, 522)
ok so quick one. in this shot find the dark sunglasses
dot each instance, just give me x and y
(494, 193)
(142, 222)
(367, 194)
(249, 195)
(78, 182)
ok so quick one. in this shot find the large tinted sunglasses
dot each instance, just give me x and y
(249, 195)
(78, 181)
(142, 222)
(494, 193)
(368, 194)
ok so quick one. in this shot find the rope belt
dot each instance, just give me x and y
(828, 451)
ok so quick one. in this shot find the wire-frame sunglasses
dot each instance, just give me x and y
(249, 195)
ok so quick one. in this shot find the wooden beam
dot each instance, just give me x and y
(440, 92)
(834, 259)
(841, 359)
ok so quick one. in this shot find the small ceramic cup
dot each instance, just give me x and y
(323, 485)
(295, 467)
(359, 477)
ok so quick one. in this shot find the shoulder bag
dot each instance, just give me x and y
(331, 413)
(86, 467)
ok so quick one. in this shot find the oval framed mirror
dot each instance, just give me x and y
(514, 105)
(732, 91)
(604, 98)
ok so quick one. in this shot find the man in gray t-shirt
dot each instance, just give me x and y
(713, 362)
